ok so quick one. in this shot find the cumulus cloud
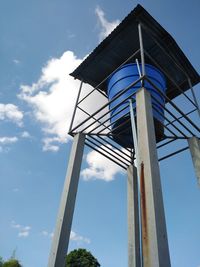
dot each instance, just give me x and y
(47, 234)
(106, 26)
(53, 97)
(99, 167)
(11, 113)
(78, 238)
(25, 134)
(23, 231)
(5, 140)
(8, 140)
(73, 237)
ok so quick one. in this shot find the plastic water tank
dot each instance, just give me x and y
(120, 116)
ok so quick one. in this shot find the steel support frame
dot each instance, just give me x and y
(65, 215)
(154, 235)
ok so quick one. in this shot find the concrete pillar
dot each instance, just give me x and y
(154, 235)
(194, 145)
(133, 218)
(64, 220)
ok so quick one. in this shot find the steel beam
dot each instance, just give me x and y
(154, 235)
(133, 218)
(64, 220)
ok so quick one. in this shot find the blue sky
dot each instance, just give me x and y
(41, 42)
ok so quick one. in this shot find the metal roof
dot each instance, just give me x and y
(124, 41)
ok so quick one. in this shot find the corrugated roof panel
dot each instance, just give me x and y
(123, 42)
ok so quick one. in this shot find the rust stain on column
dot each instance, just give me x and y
(145, 241)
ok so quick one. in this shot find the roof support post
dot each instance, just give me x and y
(154, 235)
(75, 106)
(65, 215)
(141, 49)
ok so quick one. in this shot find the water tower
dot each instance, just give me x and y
(135, 82)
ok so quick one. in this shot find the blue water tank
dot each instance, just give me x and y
(120, 116)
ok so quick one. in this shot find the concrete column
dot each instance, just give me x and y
(64, 220)
(194, 145)
(154, 235)
(133, 218)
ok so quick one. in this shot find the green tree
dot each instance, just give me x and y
(81, 258)
(1, 262)
(11, 263)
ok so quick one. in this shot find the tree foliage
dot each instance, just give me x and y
(10, 263)
(1, 262)
(81, 258)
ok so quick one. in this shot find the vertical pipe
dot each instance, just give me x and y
(133, 218)
(74, 112)
(194, 97)
(154, 234)
(135, 143)
(64, 220)
(141, 49)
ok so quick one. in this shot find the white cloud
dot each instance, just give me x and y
(16, 61)
(52, 98)
(15, 225)
(25, 134)
(44, 233)
(106, 26)
(53, 95)
(47, 234)
(23, 234)
(5, 140)
(48, 146)
(100, 168)
(23, 231)
(73, 236)
(78, 238)
(12, 113)
(8, 140)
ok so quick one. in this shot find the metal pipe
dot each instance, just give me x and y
(169, 100)
(93, 147)
(108, 119)
(74, 112)
(180, 117)
(134, 54)
(126, 148)
(96, 120)
(166, 143)
(169, 77)
(174, 153)
(141, 49)
(167, 53)
(183, 125)
(194, 96)
(105, 105)
(168, 119)
(121, 151)
(101, 143)
(177, 137)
